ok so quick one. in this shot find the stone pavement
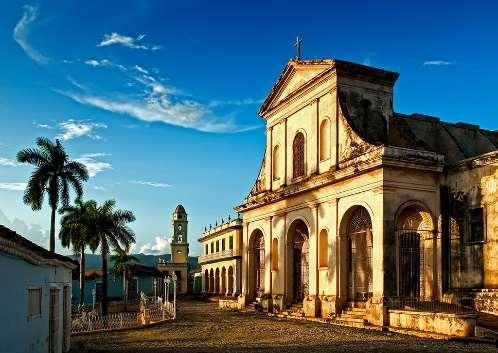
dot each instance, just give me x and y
(201, 327)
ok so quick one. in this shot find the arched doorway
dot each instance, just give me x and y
(206, 281)
(359, 232)
(217, 281)
(223, 281)
(299, 261)
(414, 226)
(257, 264)
(230, 280)
(211, 281)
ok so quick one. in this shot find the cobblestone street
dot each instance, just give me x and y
(201, 327)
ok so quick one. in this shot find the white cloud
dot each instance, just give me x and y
(94, 166)
(13, 186)
(101, 62)
(236, 102)
(71, 129)
(160, 108)
(438, 63)
(161, 246)
(33, 232)
(153, 101)
(127, 41)
(151, 183)
(22, 30)
(7, 162)
(99, 188)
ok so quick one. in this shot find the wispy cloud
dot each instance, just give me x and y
(99, 188)
(156, 102)
(22, 30)
(160, 246)
(93, 164)
(73, 128)
(151, 183)
(7, 162)
(438, 63)
(13, 186)
(235, 102)
(127, 41)
(94, 62)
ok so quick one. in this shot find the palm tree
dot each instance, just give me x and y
(76, 231)
(111, 230)
(122, 263)
(54, 174)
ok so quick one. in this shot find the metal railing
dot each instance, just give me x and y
(425, 305)
(152, 310)
(219, 255)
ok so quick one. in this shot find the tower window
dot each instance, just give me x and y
(223, 245)
(217, 245)
(207, 249)
(230, 242)
(212, 247)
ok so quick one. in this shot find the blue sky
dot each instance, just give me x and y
(159, 98)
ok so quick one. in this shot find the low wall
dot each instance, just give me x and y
(459, 325)
(487, 301)
(229, 304)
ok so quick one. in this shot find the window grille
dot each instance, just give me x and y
(298, 155)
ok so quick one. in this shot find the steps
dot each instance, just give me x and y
(295, 310)
(251, 307)
(353, 317)
(487, 326)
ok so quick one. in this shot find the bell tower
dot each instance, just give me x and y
(179, 243)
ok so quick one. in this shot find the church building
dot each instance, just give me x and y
(178, 263)
(356, 205)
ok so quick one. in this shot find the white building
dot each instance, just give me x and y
(35, 296)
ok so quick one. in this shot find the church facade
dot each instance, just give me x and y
(178, 264)
(356, 204)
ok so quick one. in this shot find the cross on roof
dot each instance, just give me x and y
(297, 45)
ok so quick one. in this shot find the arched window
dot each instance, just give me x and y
(325, 139)
(324, 248)
(276, 163)
(274, 254)
(298, 155)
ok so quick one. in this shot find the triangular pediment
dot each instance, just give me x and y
(296, 74)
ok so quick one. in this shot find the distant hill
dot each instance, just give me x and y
(94, 260)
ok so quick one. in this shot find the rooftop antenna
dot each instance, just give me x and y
(297, 45)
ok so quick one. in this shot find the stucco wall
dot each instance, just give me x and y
(20, 334)
(478, 188)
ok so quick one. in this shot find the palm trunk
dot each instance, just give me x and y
(82, 275)
(125, 291)
(104, 279)
(52, 230)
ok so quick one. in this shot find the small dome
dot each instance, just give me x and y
(180, 209)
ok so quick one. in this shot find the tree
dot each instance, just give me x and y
(111, 230)
(76, 231)
(54, 174)
(122, 263)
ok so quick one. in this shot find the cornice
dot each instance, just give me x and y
(376, 157)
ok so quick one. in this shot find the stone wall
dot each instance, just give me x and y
(487, 301)
(459, 325)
